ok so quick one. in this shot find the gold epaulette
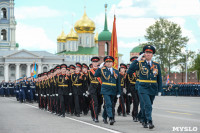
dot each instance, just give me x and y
(155, 62)
(103, 68)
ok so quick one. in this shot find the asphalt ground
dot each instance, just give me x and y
(170, 114)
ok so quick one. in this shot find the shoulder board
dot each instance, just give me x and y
(103, 68)
(155, 62)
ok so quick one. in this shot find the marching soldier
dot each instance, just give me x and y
(67, 92)
(85, 84)
(121, 108)
(110, 86)
(133, 90)
(150, 81)
(94, 89)
(77, 88)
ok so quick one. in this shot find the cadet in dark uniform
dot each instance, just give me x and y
(77, 87)
(95, 89)
(150, 82)
(67, 92)
(134, 91)
(110, 86)
(85, 93)
(121, 107)
(61, 87)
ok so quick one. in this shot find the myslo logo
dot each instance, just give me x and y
(181, 129)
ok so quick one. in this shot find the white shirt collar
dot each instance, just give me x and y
(150, 62)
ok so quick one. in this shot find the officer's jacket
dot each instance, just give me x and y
(55, 88)
(123, 80)
(150, 80)
(111, 84)
(64, 84)
(94, 84)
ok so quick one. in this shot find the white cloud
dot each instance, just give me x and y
(34, 38)
(125, 3)
(185, 32)
(176, 7)
(36, 12)
(122, 44)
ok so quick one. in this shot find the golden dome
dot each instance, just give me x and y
(72, 36)
(62, 37)
(96, 37)
(84, 25)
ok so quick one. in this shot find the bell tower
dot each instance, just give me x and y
(7, 25)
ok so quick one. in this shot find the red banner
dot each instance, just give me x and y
(114, 47)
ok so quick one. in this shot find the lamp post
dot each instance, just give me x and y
(186, 67)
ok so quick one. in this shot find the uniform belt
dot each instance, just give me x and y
(132, 82)
(111, 84)
(138, 80)
(63, 85)
(77, 84)
(122, 84)
(148, 81)
(95, 82)
(24, 86)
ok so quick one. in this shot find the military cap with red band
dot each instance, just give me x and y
(78, 65)
(95, 59)
(149, 48)
(133, 58)
(122, 65)
(63, 66)
(109, 59)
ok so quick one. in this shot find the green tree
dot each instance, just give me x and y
(196, 66)
(169, 42)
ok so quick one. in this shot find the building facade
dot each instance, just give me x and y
(7, 25)
(19, 63)
(81, 43)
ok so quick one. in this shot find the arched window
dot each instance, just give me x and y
(12, 71)
(106, 48)
(45, 69)
(3, 35)
(1, 71)
(3, 13)
(23, 70)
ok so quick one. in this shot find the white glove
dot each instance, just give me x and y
(159, 94)
(102, 64)
(140, 57)
(87, 93)
(118, 96)
(41, 95)
(56, 94)
(83, 94)
(70, 94)
(36, 94)
(47, 94)
(129, 94)
(124, 90)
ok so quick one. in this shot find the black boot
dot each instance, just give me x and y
(151, 126)
(105, 121)
(112, 121)
(145, 124)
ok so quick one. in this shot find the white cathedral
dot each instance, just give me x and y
(16, 63)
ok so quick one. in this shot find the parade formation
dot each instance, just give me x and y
(79, 89)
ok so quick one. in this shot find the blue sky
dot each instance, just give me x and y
(39, 22)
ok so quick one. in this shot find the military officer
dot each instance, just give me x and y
(110, 86)
(150, 81)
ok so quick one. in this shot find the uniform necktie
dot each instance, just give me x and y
(149, 65)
